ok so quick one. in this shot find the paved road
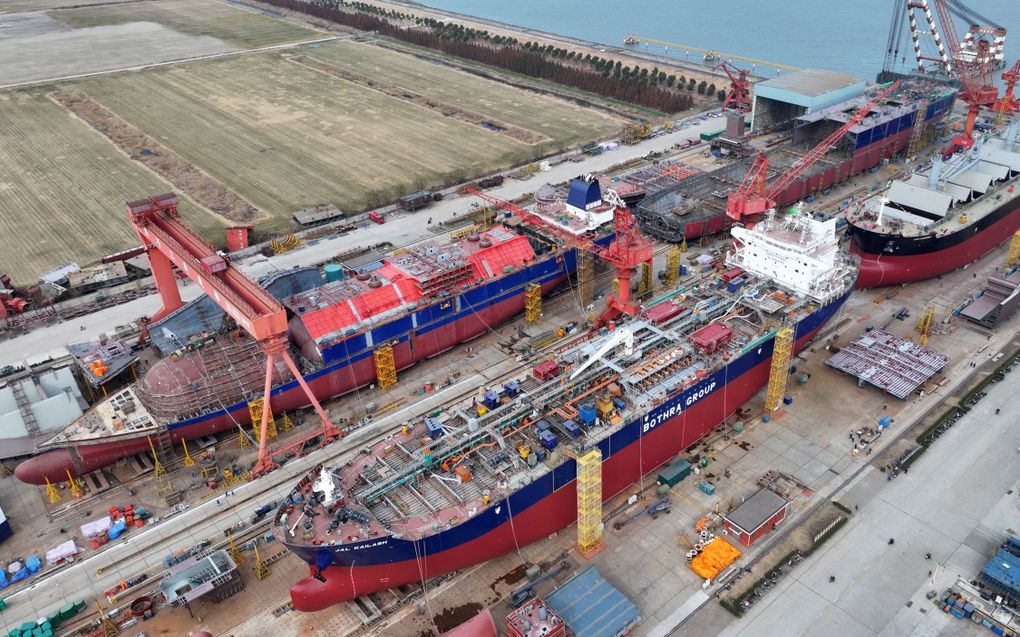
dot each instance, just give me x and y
(953, 503)
(398, 230)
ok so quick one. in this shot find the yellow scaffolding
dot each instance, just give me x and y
(782, 350)
(646, 279)
(672, 264)
(235, 553)
(109, 628)
(286, 424)
(589, 503)
(188, 460)
(51, 491)
(585, 277)
(242, 438)
(1014, 250)
(255, 412)
(683, 246)
(532, 302)
(163, 485)
(385, 367)
(261, 568)
(924, 325)
(75, 487)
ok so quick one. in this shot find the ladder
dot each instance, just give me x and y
(25, 407)
(782, 350)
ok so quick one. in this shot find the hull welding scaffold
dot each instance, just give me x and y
(478, 479)
(420, 303)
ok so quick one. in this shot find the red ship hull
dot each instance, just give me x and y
(555, 512)
(84, 458)
(883, 269)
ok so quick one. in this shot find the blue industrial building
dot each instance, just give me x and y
(1002, 573)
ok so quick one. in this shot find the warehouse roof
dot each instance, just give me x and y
(591, 606)
(756, 510)
(812, 82)
(1004, 570)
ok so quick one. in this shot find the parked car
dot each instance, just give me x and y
(377, 217)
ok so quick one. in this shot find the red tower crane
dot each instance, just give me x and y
(628, 250)
(1008, 104)
(170, 242)
(973, 72)
(753, 198)
(739, 96)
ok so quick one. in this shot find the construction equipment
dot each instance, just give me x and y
(170, 242)
(163, 485)
(661, 506)
(782, 350)
(385, 366)
(51, 492)
(628, 250)
(634, 133)
(1008, 103)
(752, 198)
(672, 264)
(1014, 250)
(972, 69)
(924, 325)
(589, 502)
(738, 98)
(75, 487)
(109, 628)
(523, 594)
(261, 568)
(235, 553)
(256, 408)
(532, 302)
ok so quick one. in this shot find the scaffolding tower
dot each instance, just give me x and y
(645, 285)
(235, 553)
(255, 412)
(917, 137)
(163, 484)
(385, 368)
(782, 350)
(261, 568)
(532, 302)
(585, 276)
(924, 324)
(672, 264)
(1014, 250)
(589, 503)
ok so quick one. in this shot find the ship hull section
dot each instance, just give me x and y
(891, 260)
(548, 504)
(335, 379)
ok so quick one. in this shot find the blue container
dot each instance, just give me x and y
(333, 272)
(548, 439)
(543, 425)
(766, 418)
(735, 284)
(572, 428)
(957, 613)
(512, 388)
(587, 413)
(491, 399)
(997, 630)
(683, 270)
(787, 400)
(434, 428)
(707, 488)
(33, 564)
(884, 421)
(619, 404)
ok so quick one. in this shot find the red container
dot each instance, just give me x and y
(139, 524)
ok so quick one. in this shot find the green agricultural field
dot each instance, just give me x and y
(63, 188)
(237, 25)
(286, 137)
(552, 117)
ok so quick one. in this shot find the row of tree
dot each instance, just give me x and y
(636, 86)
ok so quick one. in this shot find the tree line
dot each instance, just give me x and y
(651, 89)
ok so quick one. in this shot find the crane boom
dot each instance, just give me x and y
(752, 197)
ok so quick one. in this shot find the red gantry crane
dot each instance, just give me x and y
(974, 73)
(170, 242)
(753, 198)
(628, 250)
(739, 96)
(1008, 104)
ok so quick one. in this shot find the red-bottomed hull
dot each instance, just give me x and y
(553, 513)
(883, 269)
(85, 458)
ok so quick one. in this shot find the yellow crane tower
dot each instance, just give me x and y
(589, 503)
(924, 325)
(782, 350)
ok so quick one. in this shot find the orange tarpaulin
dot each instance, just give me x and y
(714, 558)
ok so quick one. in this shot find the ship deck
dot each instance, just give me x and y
(438, 472)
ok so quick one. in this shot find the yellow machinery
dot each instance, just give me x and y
(255, 412)
(585, 276)
(289, 243)
(1014, 250)
(75, 487)
(782, 350)
(924, 325)
(243, 439)
(109, 628)
(672, 264)
(235, 553)
(188, 460)
(385, 368)
(589, 503)
(532, 302)
(51, 492)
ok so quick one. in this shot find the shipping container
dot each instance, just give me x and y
(710, 136)
(675, 473)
